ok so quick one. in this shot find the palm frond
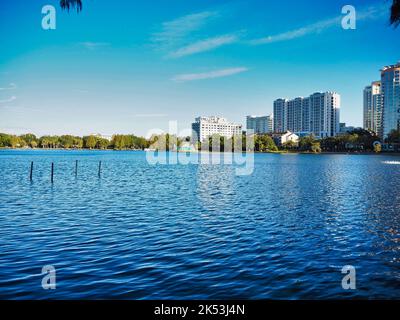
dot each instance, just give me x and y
(68, 4)
(395, 13)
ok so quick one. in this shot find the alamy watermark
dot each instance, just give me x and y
(213, 150)
(349, 21)
(349, 280)
(49, 20)
(49, 278)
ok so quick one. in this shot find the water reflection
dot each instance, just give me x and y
(215, 186)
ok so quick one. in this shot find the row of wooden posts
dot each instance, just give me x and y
(52, 171)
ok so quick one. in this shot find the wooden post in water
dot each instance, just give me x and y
(52, 172)
(99, 169)
(76, 168)
(31, 173)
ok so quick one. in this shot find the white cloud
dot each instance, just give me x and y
(94, 45)
(204, 45)
(173, 32)
(372, 12)
(11, 86)
(209, 75)
(11, 99)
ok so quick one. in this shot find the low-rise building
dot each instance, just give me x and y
(283, 138)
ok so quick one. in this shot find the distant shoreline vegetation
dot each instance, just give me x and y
(92, 142)
(359, 141)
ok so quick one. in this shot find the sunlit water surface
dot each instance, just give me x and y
(198, 231)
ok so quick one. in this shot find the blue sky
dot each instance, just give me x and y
(131, 66)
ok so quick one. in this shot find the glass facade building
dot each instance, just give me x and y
(390, 80)
(260, 125)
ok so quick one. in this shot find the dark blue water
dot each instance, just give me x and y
(199, 231)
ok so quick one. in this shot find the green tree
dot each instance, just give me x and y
(90, 142)
(49, 142)
(289, 145)
(310, 143)
(264, 143)
(141, 143)
(15, 142)
(78, 143)
(315, 147)
(118, 142)
(44, 142)
(67, 141)
(5, 140)
(102, 143)
(29, 138)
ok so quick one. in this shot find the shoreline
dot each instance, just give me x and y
(370, 153)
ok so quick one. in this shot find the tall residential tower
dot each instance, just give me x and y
(373, 108)
(318, 114)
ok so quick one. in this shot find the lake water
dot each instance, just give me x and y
(198, 231)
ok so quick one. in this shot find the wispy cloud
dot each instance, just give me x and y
(11, 99)
(204, 45)
(371, 12)
(209, 75)
(11, 86)
(173, 32)
(94, 45)
(298, 33)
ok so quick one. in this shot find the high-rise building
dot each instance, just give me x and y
(204, 127)
(319, 114)
(260, 124)
(390, 86)
(294, 115)
(280, 111)
(373, 108)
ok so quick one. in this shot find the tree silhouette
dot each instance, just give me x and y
(68, 4)
(395, 13)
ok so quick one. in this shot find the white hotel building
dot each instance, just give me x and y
(318, 114)
(204, 127)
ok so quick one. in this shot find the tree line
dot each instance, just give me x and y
(359, 140)
(118, 142)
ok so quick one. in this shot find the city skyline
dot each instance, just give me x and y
(213, 58)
